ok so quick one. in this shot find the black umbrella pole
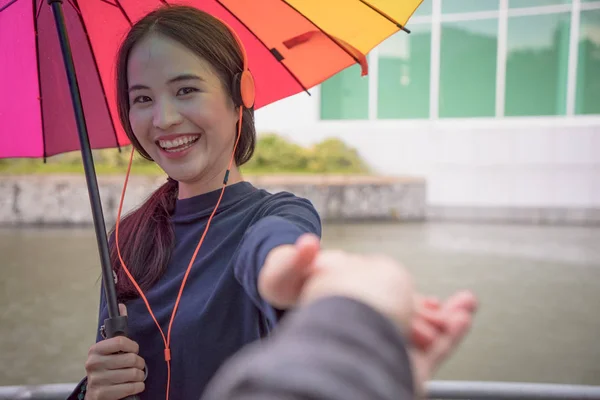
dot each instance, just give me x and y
(88, 160)
(115, 325)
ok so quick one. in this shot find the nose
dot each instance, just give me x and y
(165, 115)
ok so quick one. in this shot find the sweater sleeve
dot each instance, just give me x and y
(283, 219)
(359, 356)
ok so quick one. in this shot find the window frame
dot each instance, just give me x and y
(575, 8)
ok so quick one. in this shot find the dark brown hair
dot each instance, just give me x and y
(146, 235)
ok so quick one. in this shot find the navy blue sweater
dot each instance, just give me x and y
(220, 310)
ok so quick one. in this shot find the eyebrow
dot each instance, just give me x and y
(178, 78)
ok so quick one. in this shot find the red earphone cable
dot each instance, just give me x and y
(167, 340)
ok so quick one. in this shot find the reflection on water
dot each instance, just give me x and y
(539, 289)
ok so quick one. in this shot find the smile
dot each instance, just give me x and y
(180, 144)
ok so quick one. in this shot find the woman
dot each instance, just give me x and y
(175, 74)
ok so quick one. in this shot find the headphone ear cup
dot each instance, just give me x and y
(247, 89)
(243, 89)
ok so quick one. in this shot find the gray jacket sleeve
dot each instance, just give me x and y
(336, 348)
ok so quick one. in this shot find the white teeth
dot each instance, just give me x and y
(179, 148)
(169, 144)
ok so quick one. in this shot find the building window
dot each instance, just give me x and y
(534, 57)
(464, 6)
(468, 68)
(404, 74)
(588, 65)
(536, 65)
(345, 95)
(536, 3)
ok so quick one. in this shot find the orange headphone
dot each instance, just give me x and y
(243, 95)
(243, 82)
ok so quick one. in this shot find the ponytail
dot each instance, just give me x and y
(146, 241)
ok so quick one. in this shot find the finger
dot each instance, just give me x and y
(117, 376)
(122, 361)
(308, 240)
(115, 345)
(307, 248)
(122, 309)
(429, 309)
(431, 303)
(97, 363)
(302, 256)
(423, 334)
(437, 319)
(282, 271)
(458, 325)
(463, 300)
(121, 391)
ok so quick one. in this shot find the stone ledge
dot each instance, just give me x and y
(516, 215)
(63, 200)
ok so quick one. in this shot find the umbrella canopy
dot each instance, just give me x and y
(292, 45)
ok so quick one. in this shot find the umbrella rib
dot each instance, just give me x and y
(39, 76)
(87, 38)
(322, 31)
(267, 47)
(10, 3)
(120, 7)
(378, 11)
(39, 10)
(75, 7)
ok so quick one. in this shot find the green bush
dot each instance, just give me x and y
(274, 154)
(333, 155)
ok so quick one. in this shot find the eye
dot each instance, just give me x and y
(141, 99)
(186, 90)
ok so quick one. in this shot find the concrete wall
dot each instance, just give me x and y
(56, 200)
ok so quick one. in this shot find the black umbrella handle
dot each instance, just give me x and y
(117, 326)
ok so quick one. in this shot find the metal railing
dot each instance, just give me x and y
(471, 390)
(475, 390)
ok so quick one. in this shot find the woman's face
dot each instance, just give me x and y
(179, 110)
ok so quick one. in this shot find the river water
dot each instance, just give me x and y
(539, 289)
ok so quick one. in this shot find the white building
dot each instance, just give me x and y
(496, 103)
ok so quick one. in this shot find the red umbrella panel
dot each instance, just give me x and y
(287, 55)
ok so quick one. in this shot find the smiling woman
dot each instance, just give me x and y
(183, 100)
(189, 101)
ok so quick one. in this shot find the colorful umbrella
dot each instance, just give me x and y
(292, 46)
(57, 91)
